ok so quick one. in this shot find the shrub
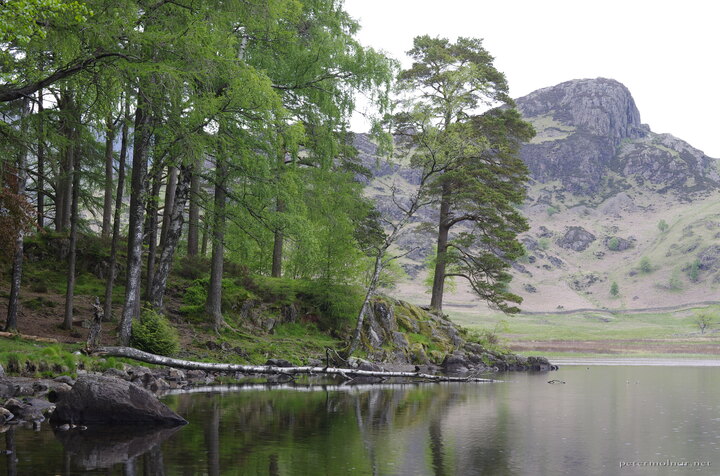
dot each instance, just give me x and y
(663, 226)
(544, 243)
(551, 210)
(694, 271)
(645, 265)
(614, 289)
(153, 333)
(613, 244)
(193, 267)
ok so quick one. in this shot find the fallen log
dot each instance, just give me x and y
(29, 337)
(349, 374)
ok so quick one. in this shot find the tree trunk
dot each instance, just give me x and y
(131, 353)
(41, 164)
(107, 202)
(194, 212)
(205, 235)
(372, 287)
(107, 312)
(278, 244)
(63, 192)
(151, 226)
(17, 263)
(441, 260)
(175, 223)
(170, 188)
(70, 290)
(141, 145)
(213, 305)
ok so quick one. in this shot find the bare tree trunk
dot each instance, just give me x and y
(438, 288)
(213, 305)
(107, 202)
(17, 264)
(194, 212)
(41, 164)
(107, 313)
(141, 147)
(205, 235)
(372, 287)
(131, 353)
(175, 223)
(151, 226)
(72, 255)
(63, 192)
(278, 244)
(170, 188)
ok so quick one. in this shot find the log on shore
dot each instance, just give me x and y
(349, 374)
(29, 337)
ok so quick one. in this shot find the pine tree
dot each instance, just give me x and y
(480, 176)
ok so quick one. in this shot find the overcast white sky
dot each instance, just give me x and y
(667, 52)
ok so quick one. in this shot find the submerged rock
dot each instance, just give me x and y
(95, 400)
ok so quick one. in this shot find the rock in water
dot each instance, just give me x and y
(106, 400)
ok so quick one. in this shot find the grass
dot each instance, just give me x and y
(590, 326)
(21, 357)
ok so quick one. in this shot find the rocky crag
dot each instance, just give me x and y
(590, 138)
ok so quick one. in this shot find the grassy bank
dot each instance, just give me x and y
(643, 334)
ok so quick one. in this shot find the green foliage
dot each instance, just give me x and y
(674, 282)
(337, 305)
(614, 289)
(663, 226)
(544, 243)
(551, 210)
(613, 244)
(704, 321)
(153, 333)
(693, 271)
(645, 265)
(471, 160)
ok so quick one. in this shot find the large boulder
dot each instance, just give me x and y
(106, 400)
(576, 238)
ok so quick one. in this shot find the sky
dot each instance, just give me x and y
(667, 52)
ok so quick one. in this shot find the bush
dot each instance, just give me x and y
(552, 210)
(645, 265)
(694, 271)
(337, 305)
(663, 226)
(153, 333)
(544, 243)
(193, 267)
(614, 289)
(613, 244)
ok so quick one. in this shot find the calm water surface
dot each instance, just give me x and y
(604, 420)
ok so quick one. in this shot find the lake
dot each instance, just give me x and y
(604, 420)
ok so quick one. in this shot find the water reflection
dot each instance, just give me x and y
(602, 416)
(105, 447)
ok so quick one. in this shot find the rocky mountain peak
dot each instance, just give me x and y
(602, 107)
(590, 138)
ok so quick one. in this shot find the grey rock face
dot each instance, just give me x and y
(576, 238)
(589, 128)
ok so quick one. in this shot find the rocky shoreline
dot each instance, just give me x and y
(131, 395)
